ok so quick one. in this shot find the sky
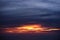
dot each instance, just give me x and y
(14, 13)
(23, 11)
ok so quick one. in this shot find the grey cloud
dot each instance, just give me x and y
(17, 4)
(43, 16)
(29, 8)
(28, 12)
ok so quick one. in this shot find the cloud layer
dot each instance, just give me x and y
(35, 9)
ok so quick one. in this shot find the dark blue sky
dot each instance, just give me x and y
(24, 11)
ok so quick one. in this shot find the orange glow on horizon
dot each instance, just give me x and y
(36, 28)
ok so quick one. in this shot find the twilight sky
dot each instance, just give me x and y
(15, 11)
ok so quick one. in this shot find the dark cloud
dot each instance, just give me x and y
(15, 11)
(12, 6)
(34, 13)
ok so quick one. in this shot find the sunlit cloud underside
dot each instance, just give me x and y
(34, 28)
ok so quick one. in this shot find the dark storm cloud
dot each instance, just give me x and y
(29, 8)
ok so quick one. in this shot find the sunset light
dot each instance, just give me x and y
(34, 28)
